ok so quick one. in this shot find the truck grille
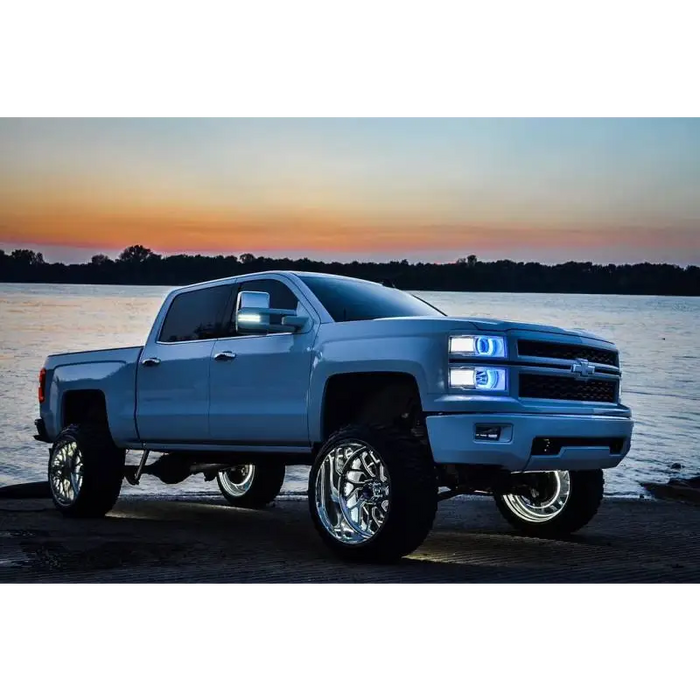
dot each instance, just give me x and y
(536, 348)
(547, 386)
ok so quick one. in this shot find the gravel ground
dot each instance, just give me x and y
(194, 538)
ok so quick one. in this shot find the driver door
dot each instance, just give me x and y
(259, 383)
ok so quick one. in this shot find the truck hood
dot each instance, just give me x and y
(486, 324)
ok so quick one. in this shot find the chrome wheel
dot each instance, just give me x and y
(545, 501)
(237, 481)
(352, 493)
(66, 473)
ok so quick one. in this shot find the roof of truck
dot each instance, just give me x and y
(296, 273)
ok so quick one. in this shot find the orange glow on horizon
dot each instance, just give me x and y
(169, 229)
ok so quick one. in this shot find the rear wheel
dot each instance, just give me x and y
(373, 493)
(85, 471)
(551, 504)
(250, 485)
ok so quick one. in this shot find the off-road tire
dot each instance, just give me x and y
(583, 503)
(103, 471)
(413, 495)
(266, 486)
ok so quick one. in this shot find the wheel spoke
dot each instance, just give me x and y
(356, 477)
(360, 505)
(373, 510)
(354, 499)
(74, 484)
(368, 467)
(334, 475)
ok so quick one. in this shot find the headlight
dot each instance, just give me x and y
(478, 345)
(478, 378)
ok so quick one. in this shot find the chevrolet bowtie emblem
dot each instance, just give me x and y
(583, 369)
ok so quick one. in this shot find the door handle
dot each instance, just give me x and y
(225, 356)
(150, 362)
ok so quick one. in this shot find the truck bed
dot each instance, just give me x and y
(124, 355)
(111, 372)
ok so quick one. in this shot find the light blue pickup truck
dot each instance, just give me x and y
(393, 404)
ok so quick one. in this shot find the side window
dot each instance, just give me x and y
(281, 296)
(196, 315)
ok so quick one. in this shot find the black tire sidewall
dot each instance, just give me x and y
(583, 503)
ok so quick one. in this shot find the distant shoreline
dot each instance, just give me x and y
(137, 265)
(407, 289)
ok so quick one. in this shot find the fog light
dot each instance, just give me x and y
(487, 432)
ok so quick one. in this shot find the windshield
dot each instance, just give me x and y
(355, 300)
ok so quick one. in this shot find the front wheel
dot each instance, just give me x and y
(250, 485)
(553, 504)
(373, 493)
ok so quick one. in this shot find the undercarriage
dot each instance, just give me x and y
(453, 479)
(463, 479)
(175, 467)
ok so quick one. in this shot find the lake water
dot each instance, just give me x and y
(658, 339)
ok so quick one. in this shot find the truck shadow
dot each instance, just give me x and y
(470, 542)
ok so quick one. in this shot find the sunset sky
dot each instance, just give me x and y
(421, 189)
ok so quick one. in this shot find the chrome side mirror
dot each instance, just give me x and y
(251, 312)
(253, 315)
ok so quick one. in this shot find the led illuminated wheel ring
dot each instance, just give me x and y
(237, 481)
(545, 505)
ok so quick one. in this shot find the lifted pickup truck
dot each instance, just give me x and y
(393, 404)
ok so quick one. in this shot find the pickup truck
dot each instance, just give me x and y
(393, 404)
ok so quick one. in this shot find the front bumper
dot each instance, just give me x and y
(452, 440)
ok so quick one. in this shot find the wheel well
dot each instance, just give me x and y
(350, 396)
(85, 406)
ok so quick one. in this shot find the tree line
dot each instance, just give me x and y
(140, 265)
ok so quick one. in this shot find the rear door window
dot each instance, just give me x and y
(196, 315)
